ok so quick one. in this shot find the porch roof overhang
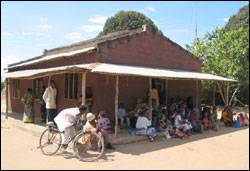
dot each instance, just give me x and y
(115, 69)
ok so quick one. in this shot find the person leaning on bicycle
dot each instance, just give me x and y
(66, 121)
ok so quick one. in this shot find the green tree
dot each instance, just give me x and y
(225, 53)
(241, 19)
(127, 20)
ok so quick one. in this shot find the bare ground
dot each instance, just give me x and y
(227, 149)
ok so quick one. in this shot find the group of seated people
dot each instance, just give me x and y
(180, 120)
(236, 119)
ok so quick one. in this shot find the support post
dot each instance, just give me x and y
(166, 90)
(116, 103)
(150, 98)
(214, 90)
(7, 98)
(197, 92)
(83, 87)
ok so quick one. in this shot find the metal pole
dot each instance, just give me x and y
(116, 103)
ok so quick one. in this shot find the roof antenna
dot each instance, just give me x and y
(195, 15)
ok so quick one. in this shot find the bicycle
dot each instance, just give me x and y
(87, 146)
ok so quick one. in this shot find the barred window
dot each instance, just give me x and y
(37, 88)
(16, 89)
(71, 86)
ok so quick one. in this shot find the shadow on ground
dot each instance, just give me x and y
(162, 143)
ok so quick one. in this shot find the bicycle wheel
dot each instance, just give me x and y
(89, 146)
(50, 141)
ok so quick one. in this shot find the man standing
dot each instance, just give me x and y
(49, 97)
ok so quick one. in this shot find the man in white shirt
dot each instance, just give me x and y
(143, 127)
(49, 97)
(66, 120)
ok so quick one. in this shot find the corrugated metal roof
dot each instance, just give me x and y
(48, 57)
(120, 70)
(155, 72)
(35, 73)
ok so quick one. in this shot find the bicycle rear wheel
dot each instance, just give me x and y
(50, 141)
(89, 146)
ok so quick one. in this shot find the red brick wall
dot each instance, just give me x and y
(147, 49)
(184, 88)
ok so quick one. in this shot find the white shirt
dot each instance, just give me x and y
(49, 97)
(177, 120)
(66, 118)
(142, 122)
(104, 123)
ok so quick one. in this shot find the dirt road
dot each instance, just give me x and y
(226, 151)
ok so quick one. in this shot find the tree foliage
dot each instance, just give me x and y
(241, 19)
(127, 20)
(225, 52)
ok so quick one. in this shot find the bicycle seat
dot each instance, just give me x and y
(50, 124)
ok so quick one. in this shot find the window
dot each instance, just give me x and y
(71, 86)
(37, 88)
(16, 88)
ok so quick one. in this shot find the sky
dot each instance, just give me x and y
(27, 28)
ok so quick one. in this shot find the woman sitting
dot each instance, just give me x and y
(182, 125)
(143, 127)
(227, 116)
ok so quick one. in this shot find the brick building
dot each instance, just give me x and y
(141, 49)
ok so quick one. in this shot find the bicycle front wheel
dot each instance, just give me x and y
(89, 146)
(50, 142)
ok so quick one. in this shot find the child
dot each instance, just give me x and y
(90, 126)
(205, 120)
(104, 122)
(213, 121)
(122, 115)
(165, 126)
(196, 124)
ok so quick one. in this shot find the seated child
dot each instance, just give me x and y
(205, 121)
(122, 115)
(104, 123)
(212, 120)
(195, 122)
(165, 126)
(90, 126)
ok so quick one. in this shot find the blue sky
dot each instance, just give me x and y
(29, 27)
